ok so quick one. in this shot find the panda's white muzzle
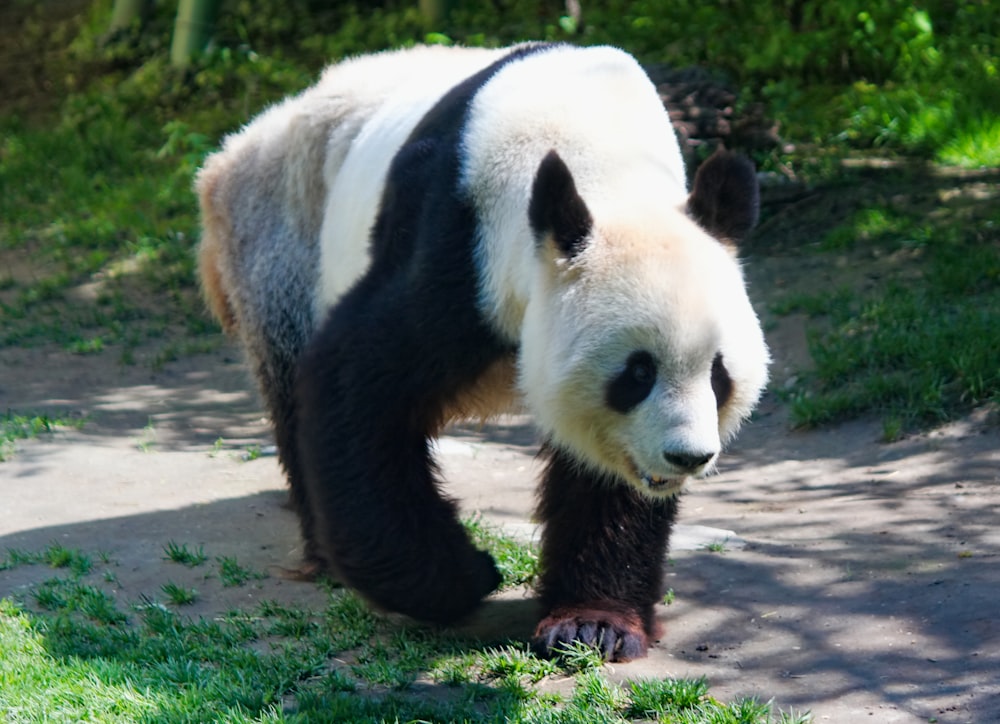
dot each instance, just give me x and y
(683, 466)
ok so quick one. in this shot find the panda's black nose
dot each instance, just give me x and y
(688, 461)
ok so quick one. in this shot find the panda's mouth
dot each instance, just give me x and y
(656, 485)
(662, 486)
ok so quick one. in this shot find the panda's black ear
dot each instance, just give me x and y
(556, 208)
(725, 198)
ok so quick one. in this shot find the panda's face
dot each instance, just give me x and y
(641, 353)
(649, 357)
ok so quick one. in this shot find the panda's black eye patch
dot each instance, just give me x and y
(633, 384)
(722, 383)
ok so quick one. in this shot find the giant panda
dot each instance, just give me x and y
(434, 233)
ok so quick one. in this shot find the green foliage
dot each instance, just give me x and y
(975, 145)
(651, 698)
(14, 426)
(909, 350)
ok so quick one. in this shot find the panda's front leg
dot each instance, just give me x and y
(603, 551)
(367, 399)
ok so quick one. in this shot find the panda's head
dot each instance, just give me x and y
(641, 354)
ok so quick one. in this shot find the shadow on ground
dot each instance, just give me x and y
(862, 580)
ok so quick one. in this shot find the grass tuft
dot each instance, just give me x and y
(232, 574)
(179, 595)
(179, 553)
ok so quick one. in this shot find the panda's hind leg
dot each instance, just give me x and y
(602, 558)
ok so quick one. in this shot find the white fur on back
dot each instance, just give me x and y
(597, 108)
(391, 92)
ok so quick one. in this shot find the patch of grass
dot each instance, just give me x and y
(912, 349)
(180, 553)
(653, 698)
(17, 557)
(71, 595)
(579, 658)
(179, 595)
(78, 655)
(872, 224)
(516, 561)
(295, 623)
(15, 426)
(718, 546)
(58, 556)
(975, 146)
(513, 662)
(232, 574)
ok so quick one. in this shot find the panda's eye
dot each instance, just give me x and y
(641, 369)
(722, 383)
(633, 384)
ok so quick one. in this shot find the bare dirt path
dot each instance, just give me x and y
(856, 579)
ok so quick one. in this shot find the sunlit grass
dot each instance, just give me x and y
(73, 649)
(15, 426)
(976, 146)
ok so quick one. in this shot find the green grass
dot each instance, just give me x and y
(15, 426)
(975, 146)
(179, 595)
(74, 648)
(180, 553)
(916, 347)
(516, 562)
(232, 574)
(55, 556)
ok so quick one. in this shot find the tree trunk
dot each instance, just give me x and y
(125, 13)
(434, 11)
(192, 29)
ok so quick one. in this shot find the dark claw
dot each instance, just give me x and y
(618, 635)
(588, 633)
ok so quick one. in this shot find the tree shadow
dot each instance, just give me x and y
(869, 575)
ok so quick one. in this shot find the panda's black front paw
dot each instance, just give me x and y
(445, 592)
(618, 633)
(463, 584)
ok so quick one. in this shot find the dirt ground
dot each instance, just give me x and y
(857, 579)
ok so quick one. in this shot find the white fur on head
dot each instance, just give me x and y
(657, 285)
(598, 110)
